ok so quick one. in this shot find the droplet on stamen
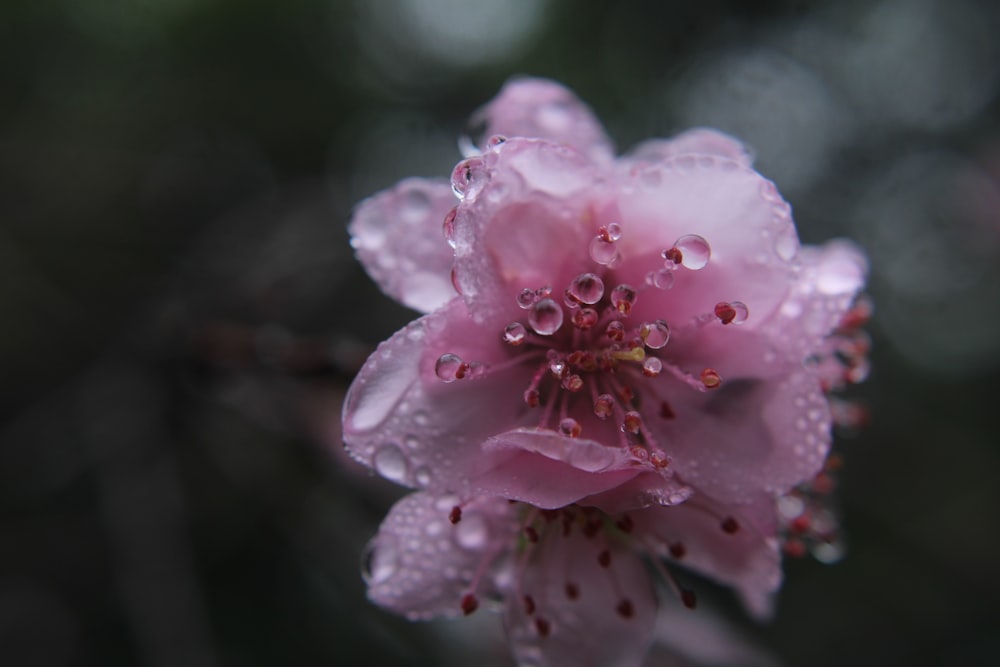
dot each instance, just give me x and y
(710, 378)
(586, 288)
(604, 406)
(623, 298)
(652, 367)
(611, 232)
(655, 334)
(532, 398)
(633, 422)
(662, 279)
(515, 333)
(742, 312)
(570, 427)
(672, 257)
(448, 227)
(604, 252)
(615, 331)
(546, 317)
(526, 298)
(449, 367)
(584, 318)
(469, 177)
(725, 312)
(572, 383)
(469, 603)
(695, 251)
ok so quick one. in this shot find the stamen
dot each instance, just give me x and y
(515, 334)
(543, 626)
(455, 515)
(570, 427)
(469, 603)
(711, 378)
(572, 590)
(730, 525)
(529, 605)
(625, 608)
(623, 298)
(604, 406)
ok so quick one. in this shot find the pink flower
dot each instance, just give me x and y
(639, 340)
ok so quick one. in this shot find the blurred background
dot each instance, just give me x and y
(181, 311)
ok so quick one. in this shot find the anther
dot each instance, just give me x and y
(623, 298)
(604, 559)
(615, 331)
(673, 256)
(711, 378)
(730, 525)
(678, 550)
(584, 318)
(570, 427)
(573, 383)
(625, 608)
(659, 460)
(725, 312)
(531, 534)
(572, 590)
(455, 515)
(633, 422)
(543, 627)
(531, 398)
(529, 605)
(604, 406)
(667, 412)
(689, 599)
(625, 524)
(469, 603)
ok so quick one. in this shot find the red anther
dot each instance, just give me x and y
(625, 608)
(626, 394)
(710, 378)
(462, 370)
(531, 534)
(573, 383)
(725, 312)
(834, 462)
(543, 627)
(794, 548)
(532, 398)
(549, 515)
(584, 318)
(454, 281)
(800, 524)
(678, 550)
(659, 460)
(572, 590)
(672, 255)
(666, 411)
(633, 422)
(469, 603)
(615, 331)
(823, 484)
(574, 358)
(730, 525)
(638, 452)
(625, 524)
(455, 515)
(604, 558)
(592, 527)
(529, 605)
(689, 599)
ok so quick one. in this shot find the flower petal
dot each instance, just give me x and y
(607, 623)
(698, 141)
(642, 491)
(415, 429)
(548, 470)
(739, 213)
(398, 239)
(529, 225)
(420, 564)
(543, 109)
(746, 558)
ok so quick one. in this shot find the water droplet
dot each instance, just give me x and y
(769, 192)
(570, 427)
(377, 565)
(526, 298)
(586, 288)
(495, 141)
(710, 378)
(422, 476)
(604, 406)
(469, 177)
(604, 252)
(623, 298)
(740, 310)
(652, 367)
(655, 334)
(447, 367)
(584, 318)
(615, 330)
(448, 227)
(786, 244)
(471, 532)
(420, 417)
(695, 251)
(515, 333)
(546, 317)
(391, 463)
(611, 232)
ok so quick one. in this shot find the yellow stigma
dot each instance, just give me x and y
(636, 354)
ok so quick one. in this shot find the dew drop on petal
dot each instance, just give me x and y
(611, 232)
(447, 367)
(448, 227)
(695, 251)
(471, 533)
(623, 298)
(378, 565)
(390, 462)
(422, 476)
(526, 298)
(515, 333)
(546, 317)
(469, 177)
(655, 334)
(586, 288)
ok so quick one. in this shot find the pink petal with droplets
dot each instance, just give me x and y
(590, 629)
(747, 559)
(544, 109)
(645, 490)
(420, 564)
(698, 141)
(397, 235)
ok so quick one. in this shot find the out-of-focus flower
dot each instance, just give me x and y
(622, 359)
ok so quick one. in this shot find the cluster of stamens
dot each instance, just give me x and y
(587, 346)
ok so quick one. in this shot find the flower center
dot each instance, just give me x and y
(588, 346)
